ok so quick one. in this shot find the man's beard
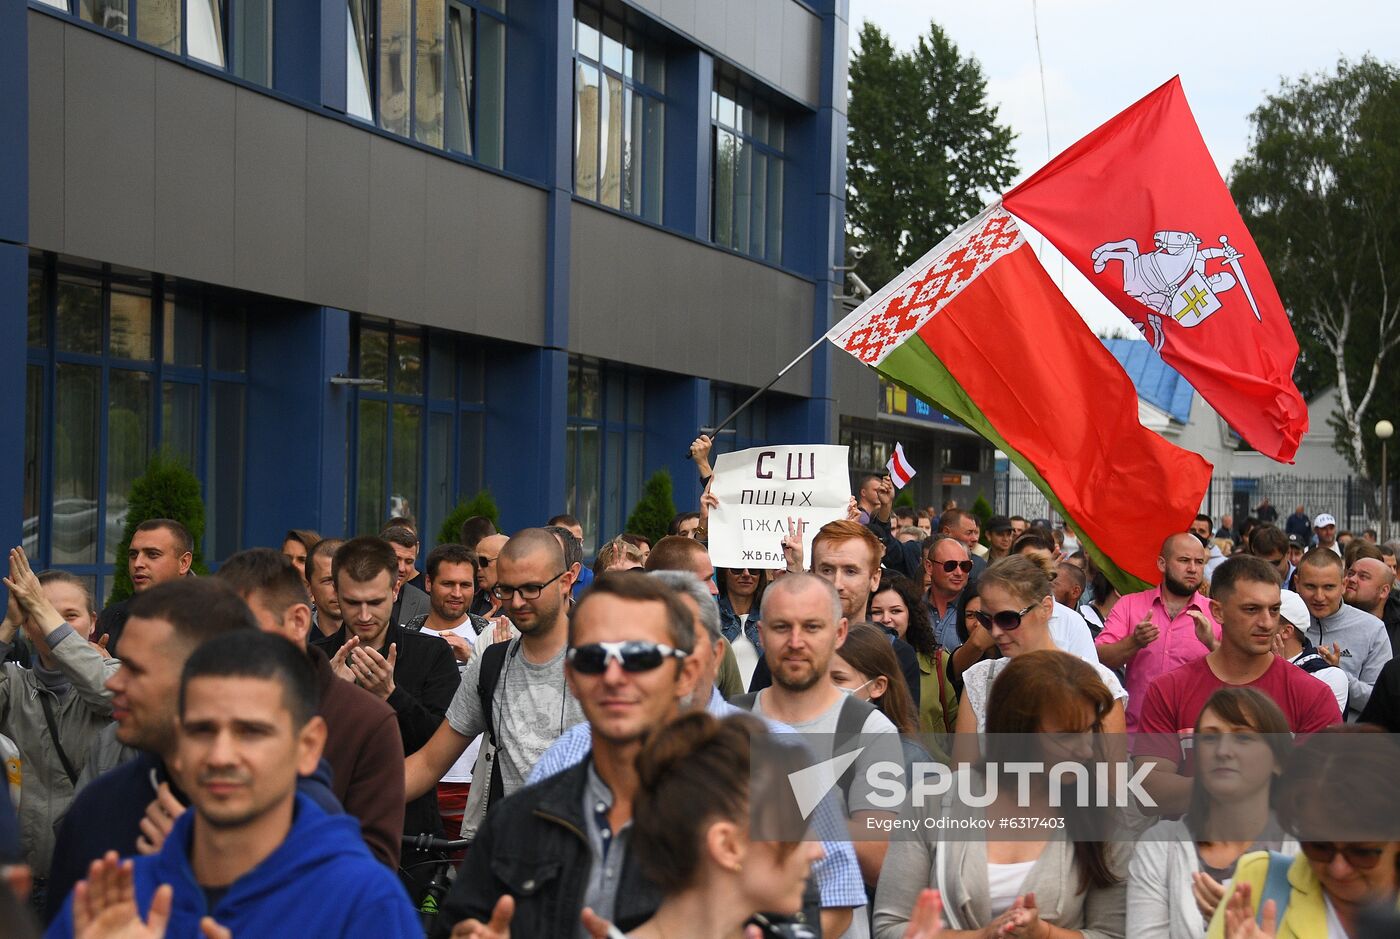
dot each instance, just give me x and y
(1176, 588)
(797, 685)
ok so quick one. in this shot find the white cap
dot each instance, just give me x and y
(1323, 520)
(1293, 609)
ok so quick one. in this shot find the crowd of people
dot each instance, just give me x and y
(297, 743)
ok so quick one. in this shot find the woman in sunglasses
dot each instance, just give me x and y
(691, 829)
(898, 606)
(1068, 883)
(1016, 609)
(740, 596)
(1175, 879)
(1338, 785)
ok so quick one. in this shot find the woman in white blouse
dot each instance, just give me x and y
(1016, 610)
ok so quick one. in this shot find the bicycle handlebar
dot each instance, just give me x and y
(432, 843)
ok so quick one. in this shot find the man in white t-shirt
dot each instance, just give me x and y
(802, 626)
(450, 581)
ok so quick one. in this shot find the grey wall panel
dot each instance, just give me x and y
(46, 123)
(194, 173)
(665, 302)
(507, 286)
(269, 218)
(337, 214)
(452, 236)
(109, 150)
(773, 39)
(855, 386)
(397, 205)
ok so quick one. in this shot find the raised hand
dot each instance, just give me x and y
(1208, 892)
(1205, 632)
(373, 672)
(461, 649)
(1332, 653)
(497, 928)
(708, 503)
(104, 905)
(24, 587)
(926, 919)
(1145, 632)
(160, 818)
(338, 661)
(1239, 916)
(792, 545)
(700, 450)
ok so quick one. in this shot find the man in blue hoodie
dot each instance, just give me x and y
(255, 857)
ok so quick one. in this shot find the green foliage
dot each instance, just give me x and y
(653, 512)
(924, 149)
(479, 504)
(1320, 191)
(982, 509)
(905, 499)
(167, 489)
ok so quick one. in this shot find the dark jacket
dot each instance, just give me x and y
(106, 816)
(110, 622)
(1383, 709)
(907, 557)
(425, 679)
(321, 881)
(533, 846)
(365, 753)
(411, 602)
(1298, 524)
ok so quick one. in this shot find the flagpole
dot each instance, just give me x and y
(754, 397)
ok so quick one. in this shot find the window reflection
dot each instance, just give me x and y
(206, 39)
(746, 185)
(158, 23)
(359, 44)
(109, 14)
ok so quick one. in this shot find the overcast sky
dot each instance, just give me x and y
(1102, 55)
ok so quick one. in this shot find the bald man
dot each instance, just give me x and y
(1154, 631)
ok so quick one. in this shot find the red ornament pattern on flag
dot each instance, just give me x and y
(894, 315)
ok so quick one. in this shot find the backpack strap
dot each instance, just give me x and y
(493, 662)
(1276, 886)
(850, 721)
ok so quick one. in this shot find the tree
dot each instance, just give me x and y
(652, 514)
(924, 150)
(166, 490)
(1320, 191)
(480, 504)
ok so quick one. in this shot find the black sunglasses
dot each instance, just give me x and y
(527, 591)
(1006, 620)
(593, 658)
(964, 566)
(1362, 859)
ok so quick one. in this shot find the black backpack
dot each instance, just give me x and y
(849, 724)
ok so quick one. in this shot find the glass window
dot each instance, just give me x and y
(223, 488)
(584, 500)
(457, 120)
(206, 38)
(180, 421)
(229, 339)
(252, 43)
(79, 316)
(33, 457)
(442, 369)
(408, 364)
(603, 448)
(109, 14)
(359, 48)
(128, 446)
(395, 30)
(374, 354)
(183, 332)
(38, 327)
(619, 139)
(428, 41)
(408, 455)
(130, 324)
(76, 435)
(439, 494)
(470, 449)
(490, 88)
(586, 131)
(369, 499)
(158, 23)
(612, 498)
(747, 172)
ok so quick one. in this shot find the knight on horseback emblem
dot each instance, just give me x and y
(1172, 281)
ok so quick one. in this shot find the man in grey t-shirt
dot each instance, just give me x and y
(531, 705)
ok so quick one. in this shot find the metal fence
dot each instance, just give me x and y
(1352, 500)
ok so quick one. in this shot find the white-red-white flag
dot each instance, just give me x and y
(901, 471)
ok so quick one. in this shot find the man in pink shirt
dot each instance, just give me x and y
(1154, 631)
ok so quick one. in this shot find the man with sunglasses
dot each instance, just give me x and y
(1151, 632)
(530, 704)
(487, 550)
(563, 845)
(948, 567)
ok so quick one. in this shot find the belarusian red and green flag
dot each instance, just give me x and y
(977, 328)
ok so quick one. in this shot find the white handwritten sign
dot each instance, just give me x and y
(759, 490)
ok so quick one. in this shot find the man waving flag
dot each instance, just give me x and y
(977, 328)
(1139, 207)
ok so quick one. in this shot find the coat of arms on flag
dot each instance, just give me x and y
(901, 470)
